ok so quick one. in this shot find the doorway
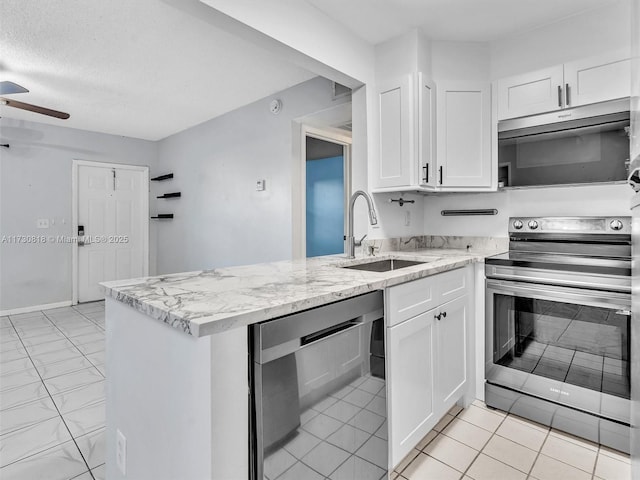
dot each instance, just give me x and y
(111, 221)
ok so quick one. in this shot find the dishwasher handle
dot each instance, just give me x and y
(327, 332)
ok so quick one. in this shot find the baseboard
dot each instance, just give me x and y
(35, 308)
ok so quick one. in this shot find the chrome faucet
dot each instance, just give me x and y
(373, 220)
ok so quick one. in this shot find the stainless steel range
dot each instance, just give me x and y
(558, 325)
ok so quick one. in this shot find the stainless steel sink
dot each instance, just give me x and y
(384, 265)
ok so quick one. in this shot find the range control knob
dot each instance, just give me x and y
(532, 224)
(517, 224)
(616, 225)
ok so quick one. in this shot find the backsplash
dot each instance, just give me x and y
(421, 242)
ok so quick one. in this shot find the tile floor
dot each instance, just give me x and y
(52, 413)
(483, 444)
(52, 417)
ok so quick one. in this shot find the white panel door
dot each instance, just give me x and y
(110, 210)
(451, 348)
(410, 384)
(597, 79)
(464, 135)
(530, 93)
(426, 132)
(396, 133)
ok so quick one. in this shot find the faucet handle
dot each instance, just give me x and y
(358, 243)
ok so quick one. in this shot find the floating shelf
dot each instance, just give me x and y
(170, 195)
(162, 177)
(163, 216)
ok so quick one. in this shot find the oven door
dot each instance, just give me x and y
(565, 345)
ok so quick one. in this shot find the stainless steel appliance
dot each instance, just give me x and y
(319, 393)
(558, 325)
(587, 144)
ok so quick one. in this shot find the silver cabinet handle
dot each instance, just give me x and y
(623, 312)
(560, 96)
(566, 95)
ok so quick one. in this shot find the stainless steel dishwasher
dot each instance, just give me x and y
(319, 393)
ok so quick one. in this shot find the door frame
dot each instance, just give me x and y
(299, 198)
(74, 215)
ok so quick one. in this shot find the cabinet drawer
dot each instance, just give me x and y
(413, 298)
(410, 299)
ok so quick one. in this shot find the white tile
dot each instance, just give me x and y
(547, 468)
(355, 468)
(15, 418)
(444, 421)
(36, 331)
(321, 406)
(53, 346)
(93, 447)
(609, 452)
(367, 421)
(426, 440)
(480, 404)
(372, 385)
(88, 329)
(523, 432)
(300, 471)
(23, 394)
(64, 367)
(18, 379)
(573, 439)
(11, 344)
(99, 473)
(467, 433)
(61, 462)
(510, 453)
(375, 451)
(348, 438)
(609, 468)
(276, 463)
(89, 338)
(81, 397)
(383, 431)
(570, 452)
(357, 397)
(96, 358)
(31, 440)
(85, 420)
(406, 461)
(46, 338)
(15, 365)
(428, 468)
(487, 468)
(70, 381)
(451, 452)
(481, 417)
(308, 415)
(54, 357)
(301, 444)
(342, 411)
(322, 426)
(325, 458)
(378, 405)
(13, 354)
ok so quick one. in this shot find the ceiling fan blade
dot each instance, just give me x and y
(7, 88)
(34, 108)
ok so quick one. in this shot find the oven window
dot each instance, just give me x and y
(577, 344)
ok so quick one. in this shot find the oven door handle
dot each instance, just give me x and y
(585, 297)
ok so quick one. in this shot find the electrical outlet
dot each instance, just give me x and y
(407, 218)
(261, 185)
(121, 452)
(42, 223)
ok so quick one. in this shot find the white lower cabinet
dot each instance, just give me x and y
(427, 356)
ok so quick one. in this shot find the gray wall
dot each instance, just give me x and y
(35, 182)
(221, 219)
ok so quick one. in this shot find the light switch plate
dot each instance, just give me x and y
(261, 185)
(121, 452)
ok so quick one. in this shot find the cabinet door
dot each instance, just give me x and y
(396, 133)
(410, 401)
(597, 79)
(464, 135)
(451, 348)
(426, 136)
(530, 93)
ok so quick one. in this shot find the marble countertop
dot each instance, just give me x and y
(207, 302)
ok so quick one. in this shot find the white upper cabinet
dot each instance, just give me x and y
(464, 135)
(396, 132)
(591, 80)
(530, 93)
(433, 138)
(596, 80)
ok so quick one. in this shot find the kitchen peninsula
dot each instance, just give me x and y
(177, 353)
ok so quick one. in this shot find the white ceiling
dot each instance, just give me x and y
(151, 68)
(456, 20)
(139, 68)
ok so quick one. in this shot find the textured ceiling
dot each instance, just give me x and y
(456, 20)
(139, 68)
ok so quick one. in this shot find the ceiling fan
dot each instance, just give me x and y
(8, 88)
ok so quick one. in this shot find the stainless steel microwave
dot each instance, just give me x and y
(581, 145)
